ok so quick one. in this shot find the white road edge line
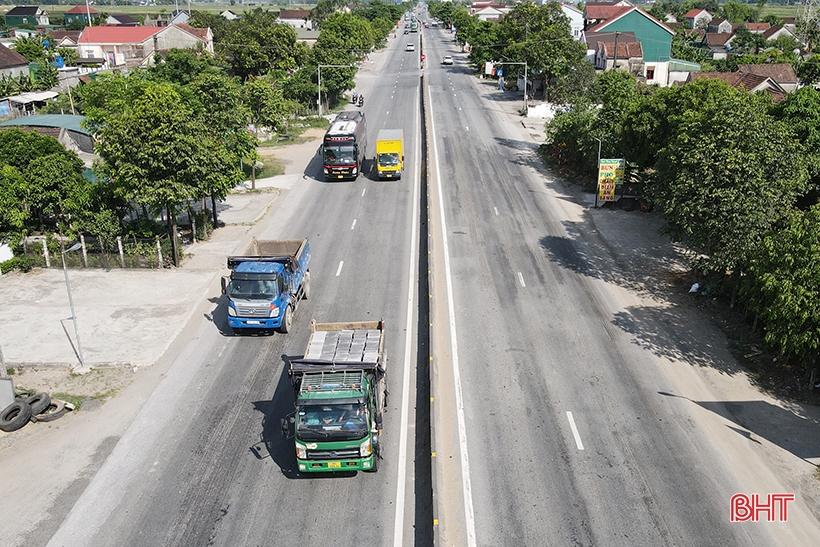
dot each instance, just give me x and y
(398, 526)
(521, 279)
(339, 270)
(353, 225)
(575, 433)
(469, 517)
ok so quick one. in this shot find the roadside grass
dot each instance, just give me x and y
(271, 167)
(295, 132)
(79, 400)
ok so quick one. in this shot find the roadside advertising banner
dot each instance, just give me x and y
(610, 174)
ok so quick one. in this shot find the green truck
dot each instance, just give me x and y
(340, 387)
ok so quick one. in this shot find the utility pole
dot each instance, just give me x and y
(615, 62)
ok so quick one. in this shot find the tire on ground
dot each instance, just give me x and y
(54, 411)
(38, 402)
(15, 416)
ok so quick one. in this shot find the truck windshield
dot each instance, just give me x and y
(331, 422)
(388, 160)
(253, 289)
(340, 155)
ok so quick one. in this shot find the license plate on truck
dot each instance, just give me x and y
(253, 322)
(334, 464)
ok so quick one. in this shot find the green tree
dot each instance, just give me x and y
(257, 44)
(266, 103)
(721, 185)
(180, 66)
(784, 288)
(13, 209)
(801, 111)
(156, 151)
(540, 36)
(56, 188)
(225, 117)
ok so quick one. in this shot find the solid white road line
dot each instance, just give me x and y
(398, 525)
(575, 433)
(521, 279)
(338, 271)
(469, 514)
(353, 225)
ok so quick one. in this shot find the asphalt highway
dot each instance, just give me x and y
(211, 467)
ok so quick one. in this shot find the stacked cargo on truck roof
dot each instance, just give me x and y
(267, 283)
(340, 388)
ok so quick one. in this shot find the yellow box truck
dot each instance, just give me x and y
(390, 153)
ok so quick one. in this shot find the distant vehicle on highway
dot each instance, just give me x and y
(448, 60)
(410, 47)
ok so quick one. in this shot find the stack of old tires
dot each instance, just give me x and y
(39, 407)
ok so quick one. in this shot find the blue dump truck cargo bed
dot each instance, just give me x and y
(267, 283)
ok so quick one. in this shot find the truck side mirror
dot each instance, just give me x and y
(224, 284)
(286, 424)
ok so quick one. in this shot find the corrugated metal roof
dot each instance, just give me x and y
(72, 123)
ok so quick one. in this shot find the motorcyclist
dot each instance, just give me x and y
(361, 99)
(355, 97)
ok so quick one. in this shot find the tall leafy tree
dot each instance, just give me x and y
(541, 36)
(156, 151)
(721, 185)
(784, 287)
(13, 209)
(257, 44)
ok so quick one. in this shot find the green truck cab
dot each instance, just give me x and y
(340, 389)
(390, 153)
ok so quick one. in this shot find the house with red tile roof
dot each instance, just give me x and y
(297, 18)
(752, 83)
(719, 26)
(81, 14)
(718, 43)
(781, 73)
(626, 56)
(64, 38)
(698, 18)
(135, 46)
(654, 36)
(12, 64)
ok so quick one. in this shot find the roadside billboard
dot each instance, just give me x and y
(610, 174)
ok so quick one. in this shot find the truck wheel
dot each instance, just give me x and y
(306, 292)
(287, 321)
(15, 416)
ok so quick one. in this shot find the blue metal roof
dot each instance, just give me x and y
(67, 121)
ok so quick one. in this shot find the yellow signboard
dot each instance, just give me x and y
(610, 174)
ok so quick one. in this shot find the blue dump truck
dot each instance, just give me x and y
(341, 395)
(267, 283)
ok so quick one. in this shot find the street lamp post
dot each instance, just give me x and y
(597, 171)
(71, 303)
(525, 79)
(319, 68)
